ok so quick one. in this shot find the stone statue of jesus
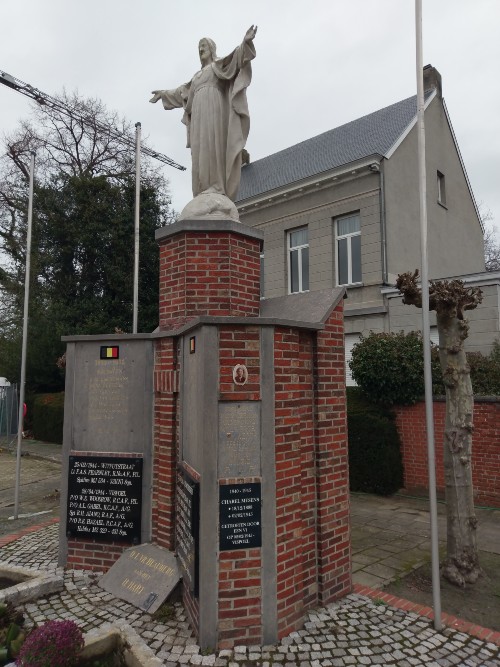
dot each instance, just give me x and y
(217, 119)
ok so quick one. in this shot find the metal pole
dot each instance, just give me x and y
(429, 413)
(136, 223)
(25, 339)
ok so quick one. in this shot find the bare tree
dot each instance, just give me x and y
(491, 240)
(491, 249)
(450, 300)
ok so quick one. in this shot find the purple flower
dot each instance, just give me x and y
(53, 644)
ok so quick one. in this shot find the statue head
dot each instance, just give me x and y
(207, 50)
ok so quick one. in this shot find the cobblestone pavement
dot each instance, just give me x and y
(355, 631)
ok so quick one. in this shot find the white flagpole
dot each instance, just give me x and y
(20, 425)
(136, 224)
(429, 413)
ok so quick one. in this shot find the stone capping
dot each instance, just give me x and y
(32, 584)
(477, 399)
(94, 337)
(368, 310)
(110, 635)
(212, 226)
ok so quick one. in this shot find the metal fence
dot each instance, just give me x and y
(8, 412)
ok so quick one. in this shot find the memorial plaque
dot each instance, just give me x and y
(188, 529)
(144, 576)
(104, 498)
(239, 439)
(240, 516)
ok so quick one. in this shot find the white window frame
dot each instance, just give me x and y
(349, 250)
(441, 189)
(299, 249)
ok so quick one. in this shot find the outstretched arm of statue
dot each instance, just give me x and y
(172, 99)
(250, 33)
(156, 96)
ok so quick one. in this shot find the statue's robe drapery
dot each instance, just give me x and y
(217, 119)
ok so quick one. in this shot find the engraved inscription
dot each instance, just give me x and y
(240, 516)
(187, 529)
(144, 576)
(108, 393)
(239, 439)
(104, 498)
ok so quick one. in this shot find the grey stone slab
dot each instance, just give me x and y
(144, 576)
(367, 579)
(239, 439)
(383, 571)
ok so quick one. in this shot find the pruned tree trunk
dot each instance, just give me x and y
(450, 299)
(462, 563)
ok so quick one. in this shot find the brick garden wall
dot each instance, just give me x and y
(410, 422)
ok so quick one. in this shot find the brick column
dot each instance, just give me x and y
(208, 268)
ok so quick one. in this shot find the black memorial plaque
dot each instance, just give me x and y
(188, 529)
(105, 498)
(240, 516)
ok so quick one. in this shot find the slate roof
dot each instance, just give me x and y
(373, 134)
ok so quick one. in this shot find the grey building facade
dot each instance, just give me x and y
(342, 209)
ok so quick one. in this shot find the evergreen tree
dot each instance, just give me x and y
(83, 237)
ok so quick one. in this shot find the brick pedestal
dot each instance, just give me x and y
(282, 433)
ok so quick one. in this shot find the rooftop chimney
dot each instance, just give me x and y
(432, 79)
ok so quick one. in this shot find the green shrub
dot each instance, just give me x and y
(389, 369)
(375, 464)
(48, 417)
(484, 373)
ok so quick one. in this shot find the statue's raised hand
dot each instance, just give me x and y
(250, 33)
(156, 96)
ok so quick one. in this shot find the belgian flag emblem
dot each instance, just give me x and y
(110, 352)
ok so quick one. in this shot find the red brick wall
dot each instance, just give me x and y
(208, 273)
(334, 542)
(239, 345)
(312, 488)
(165, 441)
(92, 555)
(485, 448)
(240, 598)
(290, 406)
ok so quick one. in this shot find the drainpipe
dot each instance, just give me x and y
(383, 235)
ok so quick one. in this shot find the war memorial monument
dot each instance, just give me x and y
(214, 449)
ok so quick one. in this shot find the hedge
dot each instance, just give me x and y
(389, 369)
(48, 417)
(375, 463)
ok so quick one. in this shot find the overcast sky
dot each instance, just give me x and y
(320, 64)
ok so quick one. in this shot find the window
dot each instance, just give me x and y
(348, 231)
(298, 260)
(441, 188)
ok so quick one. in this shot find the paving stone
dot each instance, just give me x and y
(352, 631)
